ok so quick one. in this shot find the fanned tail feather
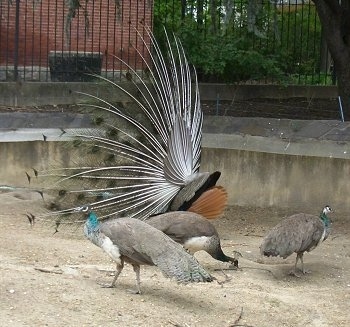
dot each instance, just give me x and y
(137, 161)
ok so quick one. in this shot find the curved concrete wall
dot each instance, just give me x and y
(251, 178)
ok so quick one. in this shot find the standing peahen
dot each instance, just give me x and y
(298, 233)
(133, 241)
(141, 161)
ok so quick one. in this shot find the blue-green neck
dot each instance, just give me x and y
(325, 219)
(92, 222)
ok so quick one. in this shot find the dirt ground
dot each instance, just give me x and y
(53, 280)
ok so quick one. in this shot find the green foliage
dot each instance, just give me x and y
(257, 41)
(223, 58)
(312, 79)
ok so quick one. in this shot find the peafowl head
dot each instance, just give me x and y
(327, 209)
(325, 219)
(92, 223)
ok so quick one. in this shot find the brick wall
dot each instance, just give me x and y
(42, 29)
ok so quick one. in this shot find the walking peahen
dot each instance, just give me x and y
(298, 233)
(141, 161)
(133, 241)
(194, 232)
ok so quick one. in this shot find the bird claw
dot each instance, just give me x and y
(134, 291)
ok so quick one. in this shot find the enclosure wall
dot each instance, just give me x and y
(251, 178)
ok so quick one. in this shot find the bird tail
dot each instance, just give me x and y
(182, 266)
(211, 203)
(140, 159)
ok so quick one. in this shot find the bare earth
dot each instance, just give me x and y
(53, 280)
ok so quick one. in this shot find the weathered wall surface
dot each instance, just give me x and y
(55, 93)
(17, 158)
(268, 179)
(251, 178)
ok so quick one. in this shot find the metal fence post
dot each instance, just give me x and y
(15, 74)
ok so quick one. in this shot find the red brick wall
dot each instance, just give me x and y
(42, 29)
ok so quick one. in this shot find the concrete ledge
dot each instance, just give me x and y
(305, 147)
(264, 162)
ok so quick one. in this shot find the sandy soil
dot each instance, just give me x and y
(53, 280)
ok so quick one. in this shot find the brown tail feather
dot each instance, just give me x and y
(211, 203)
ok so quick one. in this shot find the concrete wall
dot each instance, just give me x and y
(251, 178)
(17, 158)
(270, 179)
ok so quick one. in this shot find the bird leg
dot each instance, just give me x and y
(120, 267)
(137, 272)
(302, 264)
(294, 272)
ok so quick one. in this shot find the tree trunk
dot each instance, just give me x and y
(335, 20)
(343, 77)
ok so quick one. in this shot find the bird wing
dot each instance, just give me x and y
(145, 244)
(182, 225)
(297, 233)
(314, 231)
(122, 234)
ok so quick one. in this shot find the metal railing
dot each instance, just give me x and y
(236, 41)
(47, 40)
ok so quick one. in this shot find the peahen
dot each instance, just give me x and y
(297, 233)
(134, 241)
(194, 232)
(140, 161)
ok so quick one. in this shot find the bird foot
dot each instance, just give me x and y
(134, 291)
(233, 266)
(306, 272)
(106, 285)
(294, 274)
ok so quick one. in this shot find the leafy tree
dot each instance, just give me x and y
(335, 20)
(239, 40)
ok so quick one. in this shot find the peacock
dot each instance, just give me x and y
(136, 242)
(297, 233)
(141, 161)
(194, 232)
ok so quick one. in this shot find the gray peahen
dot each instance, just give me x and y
(194, 232)
(133, 241)
(297, 233)
(140, 161)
